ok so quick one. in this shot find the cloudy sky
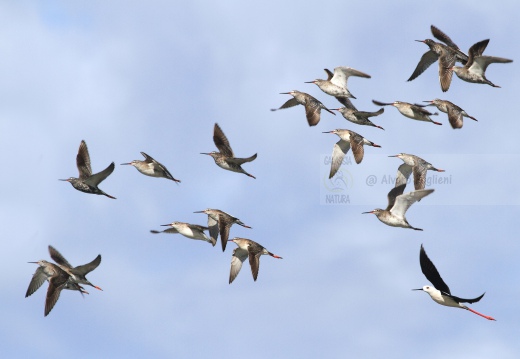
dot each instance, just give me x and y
(155, 76)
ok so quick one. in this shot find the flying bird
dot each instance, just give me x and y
(151, 167)
(336, 83)
(440, 292)
(350, 113)
(76, 274)
(446, 54)
(475, 69)
(455, 113)
(415, 112)
(398, 204)
(225, 158)
(312, 106)
(247, 249)
(220, 222)
(347, 140)
(193, 231)
(57, 278)
(88, 182)
(416, 165)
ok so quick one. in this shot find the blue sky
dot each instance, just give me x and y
(155, 77)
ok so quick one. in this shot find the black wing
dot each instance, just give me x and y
(462, 300)
(431, 273)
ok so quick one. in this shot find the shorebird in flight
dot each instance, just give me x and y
(57, 278)
(398, 204)
(455, 113)
(475, 69)
(151, 167)
(446, 54)
(225, 158)
(440, 292)
(336, 83)
(312, 106)
(347, 140)
(417, 166)
(193, 231)
(220, 222)
(247, 249)
(415, 112)
(88, 182)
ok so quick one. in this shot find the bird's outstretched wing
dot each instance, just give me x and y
(431, 273)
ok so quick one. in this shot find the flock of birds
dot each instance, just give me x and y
(61, 275)
(447, 53)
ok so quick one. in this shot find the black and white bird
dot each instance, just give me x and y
(440, 292)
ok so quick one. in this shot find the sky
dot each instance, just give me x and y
(155, 76)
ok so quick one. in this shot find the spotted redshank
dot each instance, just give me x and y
(220, 222)
(475, 69)
(440, 292)
(57, 278)
(446, 54)
(416, 165)
(77, 274)
(415, 112)
(88, 182)
(455, 113)
(336, 83)
(347, 139)
(193, 231)
(312, 106)
(247, 248)
(398, 204)
(151, 167)
(225, 158)
(350, 113)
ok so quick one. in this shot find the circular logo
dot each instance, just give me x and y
(341, 182)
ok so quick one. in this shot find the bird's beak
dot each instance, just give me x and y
(204, 153)
(328, 132)
(393, 156)
(66, 180)
(199, 212)
(367, 212)
(285, 93)
(125, 164)
(309, 82)
(420, 40)
(418, 289)
(33, 262)
(374, 145)
(165, 225)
